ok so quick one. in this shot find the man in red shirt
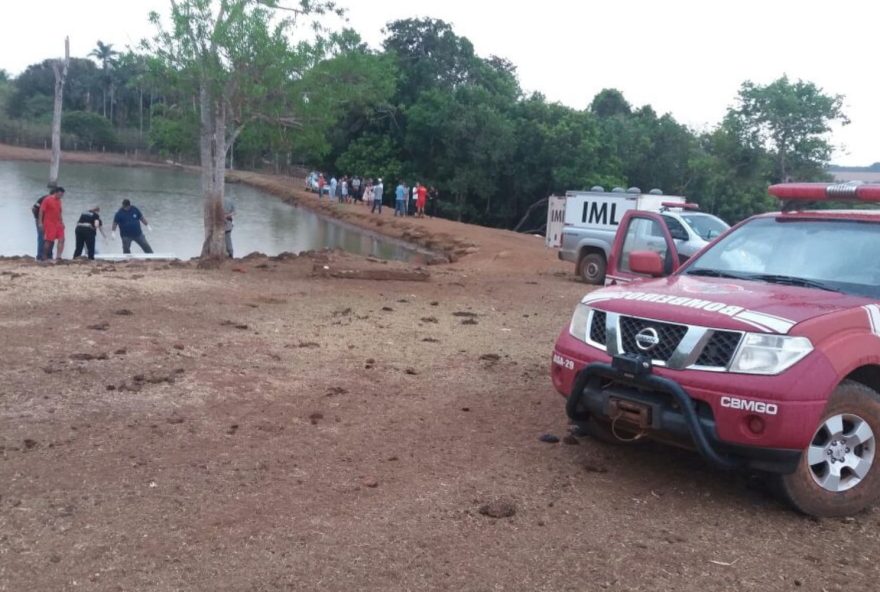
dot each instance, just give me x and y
(421, 200)
(52, 224)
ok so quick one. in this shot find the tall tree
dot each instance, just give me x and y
(610, 102)
(106, 56)
(792, 119)
(235, 57)
(60, 68)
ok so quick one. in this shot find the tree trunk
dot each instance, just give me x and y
(150, 112)
(537, 204)
(141, 112)
(60, 69)
(213, 156)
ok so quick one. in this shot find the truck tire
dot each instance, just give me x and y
(591, 268)
(838, 473)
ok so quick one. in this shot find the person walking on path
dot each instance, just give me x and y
(321, 183)
(86, 231)
(400, 200)
(378, 190)
(129, 219)
(51, 222)
(356, 188)
(229, 214)
(35, 209)
(421, 200)
(343, 194)
(333, 184)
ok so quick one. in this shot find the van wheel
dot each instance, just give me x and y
(592, 268)
(837, 474)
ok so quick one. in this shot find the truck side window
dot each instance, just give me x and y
(676, 228)
(642, 234)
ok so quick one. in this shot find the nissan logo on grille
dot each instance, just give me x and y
(647, 338)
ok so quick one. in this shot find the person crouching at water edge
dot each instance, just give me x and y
(87, 228)
(129, 220)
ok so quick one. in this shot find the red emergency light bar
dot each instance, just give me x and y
(683, 206)
(827, 191)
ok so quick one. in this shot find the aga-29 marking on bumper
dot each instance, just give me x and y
(727, 406)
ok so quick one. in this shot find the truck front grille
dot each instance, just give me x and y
(677, 346)
(597, 327)
(720, 349)
(669, 336)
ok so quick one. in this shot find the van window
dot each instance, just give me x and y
(705, 225)
(676, 228)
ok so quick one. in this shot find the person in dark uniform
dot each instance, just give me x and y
(87, 228)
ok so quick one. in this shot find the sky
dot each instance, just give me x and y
(684, 57)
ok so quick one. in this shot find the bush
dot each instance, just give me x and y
(89, 128)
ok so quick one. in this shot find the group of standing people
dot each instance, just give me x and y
(416, 204)
(49, 220)
(407, 201)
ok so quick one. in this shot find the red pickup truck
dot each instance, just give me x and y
(762, 351)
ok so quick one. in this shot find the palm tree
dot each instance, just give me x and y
(106, 55)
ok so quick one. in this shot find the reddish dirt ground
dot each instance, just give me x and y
(263, 427)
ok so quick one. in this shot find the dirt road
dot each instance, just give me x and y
(257, 428)
(265, 427)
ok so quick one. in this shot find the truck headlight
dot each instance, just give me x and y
(769, 354)
(578, 327)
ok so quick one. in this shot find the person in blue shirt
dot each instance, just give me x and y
(378, 190)
(399, 200)
(129, 220)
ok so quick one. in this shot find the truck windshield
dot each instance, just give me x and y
(837, 255)
(705, 225)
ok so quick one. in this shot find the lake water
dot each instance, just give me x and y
(171, 201)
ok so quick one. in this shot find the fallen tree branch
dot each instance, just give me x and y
(537, 204)
(404, 275)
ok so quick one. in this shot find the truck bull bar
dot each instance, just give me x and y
(636, 371)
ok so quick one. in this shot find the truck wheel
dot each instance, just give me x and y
(837, 474)
(600, 429)
(592, 268)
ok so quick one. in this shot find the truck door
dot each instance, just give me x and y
(640, 232)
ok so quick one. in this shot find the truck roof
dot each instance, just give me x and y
(862, 215)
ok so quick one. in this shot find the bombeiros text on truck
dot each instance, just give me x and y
(762, 351)
(583, 224)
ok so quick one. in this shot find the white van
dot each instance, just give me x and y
(584, 223)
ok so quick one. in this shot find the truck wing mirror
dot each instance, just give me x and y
(646, 262)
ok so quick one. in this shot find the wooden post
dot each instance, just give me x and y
(60, 69)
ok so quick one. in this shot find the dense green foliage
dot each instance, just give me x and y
(426, 108)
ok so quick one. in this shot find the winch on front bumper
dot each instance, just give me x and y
(627, 392)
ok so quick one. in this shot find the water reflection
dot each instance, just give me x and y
(171, 201)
